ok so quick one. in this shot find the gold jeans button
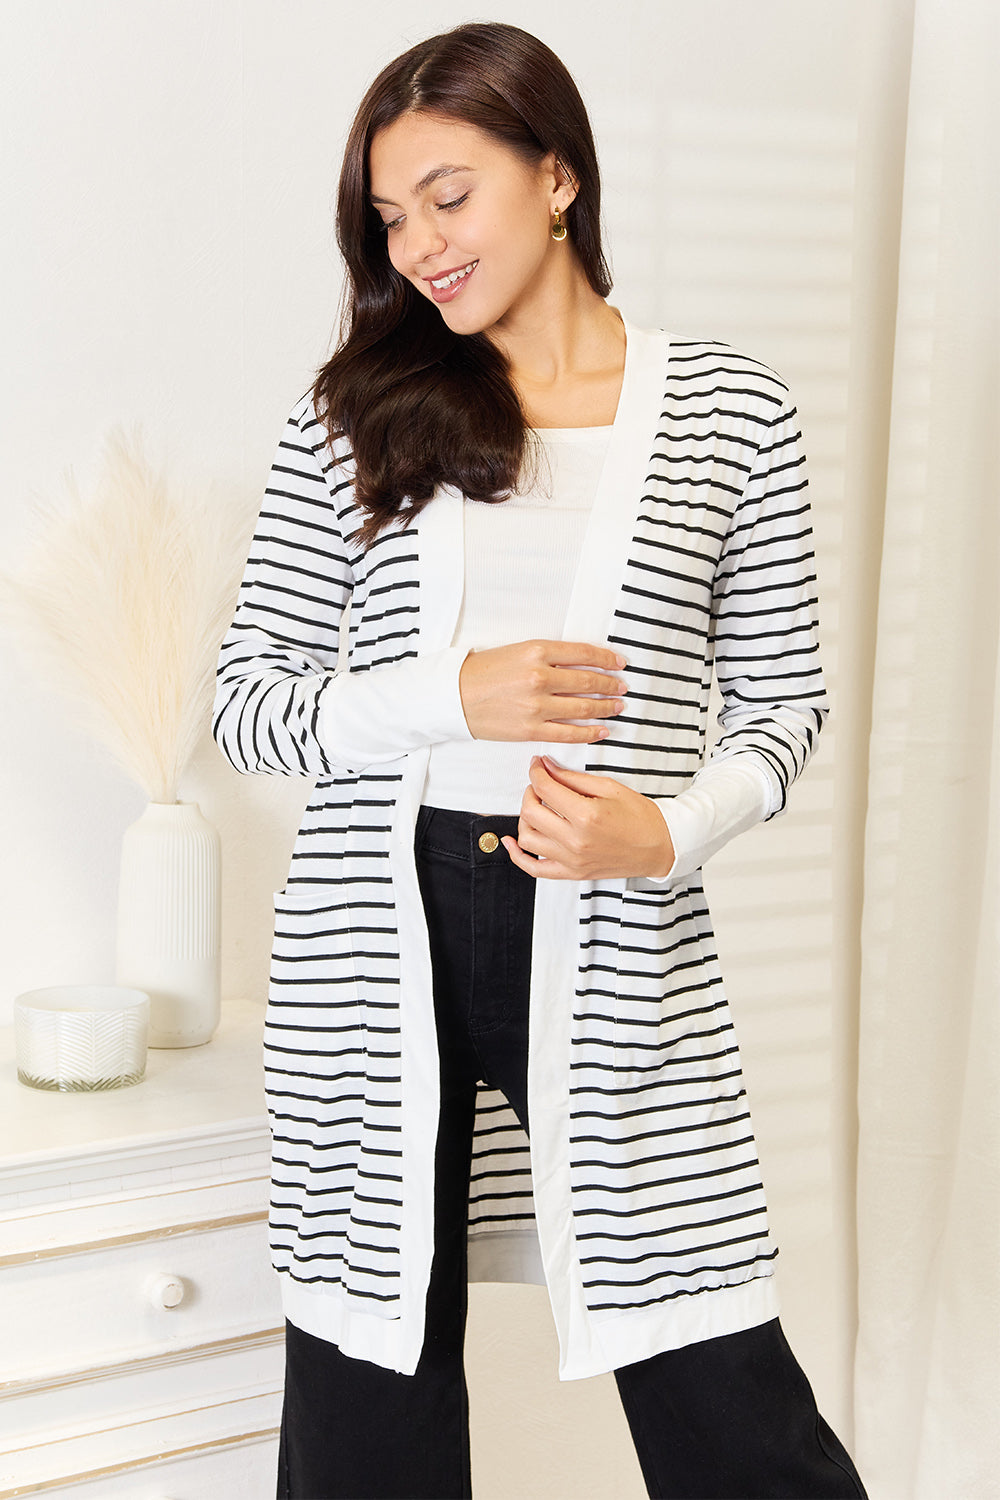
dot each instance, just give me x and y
(488, 842)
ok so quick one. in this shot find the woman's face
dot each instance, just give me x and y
(467, 221)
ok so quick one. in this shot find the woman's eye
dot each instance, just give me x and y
(390, 224)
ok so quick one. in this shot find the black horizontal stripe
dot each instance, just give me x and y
(713, 457)
(660, 1133)
(508, 1218)
(494, 1197)
(634, 1282)
(721, 389)
(690, 1291)
(700, 1200)
(583, 1210)
(352, 1291)
(712, 1101)
(675, 1230)
(356, 1051)
(641, 1088)
(634, 1162)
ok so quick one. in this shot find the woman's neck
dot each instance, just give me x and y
(567, 358)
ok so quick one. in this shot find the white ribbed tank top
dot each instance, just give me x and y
(521, 557)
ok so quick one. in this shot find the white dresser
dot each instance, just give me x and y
(140, 1323)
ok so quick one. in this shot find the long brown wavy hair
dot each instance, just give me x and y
(423, 406)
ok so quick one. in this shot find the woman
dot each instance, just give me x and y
(547, 524)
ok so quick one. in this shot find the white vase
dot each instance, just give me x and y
(169, 910)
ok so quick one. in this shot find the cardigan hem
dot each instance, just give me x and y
(626, 1338)
(618, 1340)
(359, 1335)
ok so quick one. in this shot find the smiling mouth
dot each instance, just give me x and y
(443, 283)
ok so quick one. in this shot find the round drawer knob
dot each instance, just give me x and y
(165, 1290)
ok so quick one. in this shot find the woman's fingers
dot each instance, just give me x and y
(545, 794)
(533, 690)
(578, 683)
(535, 820)
(539, 869)
(580, 654)
(559, 708)
(583, 783)
(582, 682)
(557, 733)
(548, 829)
(518, 857)
(582, 826)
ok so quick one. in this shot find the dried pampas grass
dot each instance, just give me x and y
(125, 597)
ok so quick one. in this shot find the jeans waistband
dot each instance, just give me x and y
(474, 837)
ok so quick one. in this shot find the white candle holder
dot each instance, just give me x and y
(78, 1039)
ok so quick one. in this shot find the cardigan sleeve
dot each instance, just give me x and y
(766, 660)
(727, 797)
(766, 648)
(282, 706)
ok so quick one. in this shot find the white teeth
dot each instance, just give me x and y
(455, 276)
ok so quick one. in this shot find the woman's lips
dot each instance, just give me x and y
(451, 288)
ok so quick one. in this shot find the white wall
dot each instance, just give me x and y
(167, 258)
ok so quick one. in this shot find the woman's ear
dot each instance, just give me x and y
(571, 184)
(560, 181)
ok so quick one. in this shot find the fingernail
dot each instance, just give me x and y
(621, 661)
(603, 733)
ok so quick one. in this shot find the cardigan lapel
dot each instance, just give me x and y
(440, 568)
(440, 573)
(611, 525)
(555, 954)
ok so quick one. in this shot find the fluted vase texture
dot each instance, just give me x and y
(169, 919)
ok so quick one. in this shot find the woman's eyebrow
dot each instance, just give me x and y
(423, 184)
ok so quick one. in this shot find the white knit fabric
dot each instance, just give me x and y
(520, 563)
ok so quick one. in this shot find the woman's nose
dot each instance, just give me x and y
(422, 240)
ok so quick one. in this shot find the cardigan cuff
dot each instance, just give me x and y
(366, 718)
(726, 798)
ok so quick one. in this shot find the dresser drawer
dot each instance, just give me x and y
(157, 1293)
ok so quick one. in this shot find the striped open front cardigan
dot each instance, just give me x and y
(639, 1199)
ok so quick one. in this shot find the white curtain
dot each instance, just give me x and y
(929, 1208)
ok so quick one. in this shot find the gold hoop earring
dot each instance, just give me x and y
(559, 230)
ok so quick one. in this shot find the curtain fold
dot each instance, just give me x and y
(929, 1145)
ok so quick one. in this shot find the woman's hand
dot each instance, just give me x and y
(531, 690)
(577, 826)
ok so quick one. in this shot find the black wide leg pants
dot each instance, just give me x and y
(732, 1418)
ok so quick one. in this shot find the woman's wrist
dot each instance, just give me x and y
(664, 856)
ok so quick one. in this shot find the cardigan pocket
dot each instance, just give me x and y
(313, 943)
(313, 999)
(335, 1218)
(669, 1007)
